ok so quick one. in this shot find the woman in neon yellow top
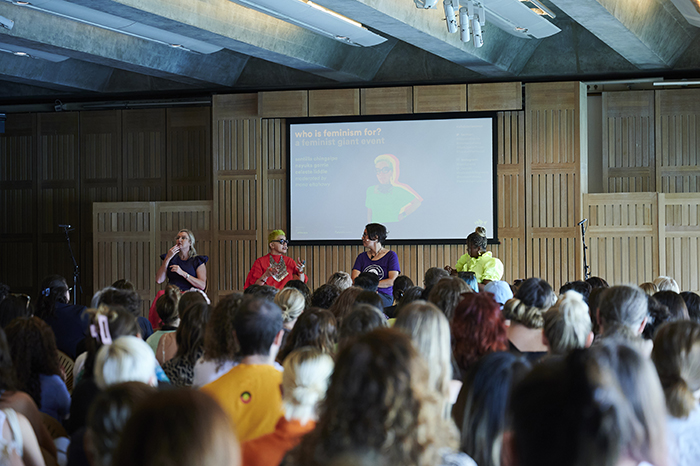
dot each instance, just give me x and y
(486, 267)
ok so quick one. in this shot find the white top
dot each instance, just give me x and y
(684, 439)
(16, 445)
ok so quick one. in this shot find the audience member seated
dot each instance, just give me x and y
(108, 414)
(579, 286)
(35, 359)
(481, 409)
(340, 279)
(14, 306)
(373, 299)
(303, 287)
(363, 319)
(526, 314)
(676, 355)
(470, 279)
(368, 281)
(167, 309)
(129, 300)
(275, 268)
(674, 303)
(692, 302)
(249, 393)
(292, 303)
(220, 348)
(430, 332)
(178, 427)
(127, 359)
(344, 304)
(325, 295)
(379, 401)
(649, 288)
(500, 290)
(189, 337)
(447, 293)
(18, 444)
(623, 305)
(307, 372)
(401, 284)
(262, 291)
(22, 403)
(477, 330)
(315, 328)
(664, 283)
(414, 293)
(430, 278)
(68, 321)
(658, 315)
(567, 324)
(593, 305)
(597, 282)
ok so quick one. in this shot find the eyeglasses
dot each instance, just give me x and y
(25, 296)
(365, 235)
(383, 170)
(281, 241)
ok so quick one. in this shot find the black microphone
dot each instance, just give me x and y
(66, 227)
(582, 221)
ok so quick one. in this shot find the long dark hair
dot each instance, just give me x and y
(53, 290)
(316, 328)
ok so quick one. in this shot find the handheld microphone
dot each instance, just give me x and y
(582, 221)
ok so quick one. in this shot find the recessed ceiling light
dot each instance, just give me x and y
(21, 54)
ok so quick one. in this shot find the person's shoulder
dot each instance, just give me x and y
(456, 458)
(200, 259)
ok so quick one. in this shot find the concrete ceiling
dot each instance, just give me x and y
(74, 61)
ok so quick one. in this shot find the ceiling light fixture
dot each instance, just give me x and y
(677, 83)
(316, 18)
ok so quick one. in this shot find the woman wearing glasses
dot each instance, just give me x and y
(182, 266)
(390, 201)
(275, 268)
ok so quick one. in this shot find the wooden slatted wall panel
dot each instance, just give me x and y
(680, 239)
(144, 155)
(18, 204)
(622, 236)
(189, 173)
(678, 141)
(101, 175)
(58, 192)
(555, 122)
(124, 246)
(629, 164)
(274, 180)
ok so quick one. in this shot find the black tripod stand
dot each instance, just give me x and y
(76, 271)
(586, 269)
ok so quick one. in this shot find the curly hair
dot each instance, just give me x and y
(478, 328)
(34, 353)
(53, 290)
(325, 296)
(379, 400)
(219, 344)
(316, 328)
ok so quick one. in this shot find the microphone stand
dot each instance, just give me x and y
(76, 270)
(586, 269)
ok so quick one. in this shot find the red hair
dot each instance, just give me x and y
(478, 328)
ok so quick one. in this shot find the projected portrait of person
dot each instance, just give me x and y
(390, 201)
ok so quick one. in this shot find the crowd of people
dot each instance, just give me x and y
(367, 368)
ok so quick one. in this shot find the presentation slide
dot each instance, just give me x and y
(429, 179)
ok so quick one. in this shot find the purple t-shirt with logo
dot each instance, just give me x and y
(381, 267)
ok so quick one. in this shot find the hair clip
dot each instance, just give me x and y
(46, 292)
(103, 324)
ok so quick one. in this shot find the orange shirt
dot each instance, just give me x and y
(251, 396)
(269, 450)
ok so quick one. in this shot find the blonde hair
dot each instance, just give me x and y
(529, 316)
(430, 332)
(307, 373)
(664, 283)
(193, 251)
(340, 279)
(676, 355)
(649, 288)
(391, 160)
(567, 324)
(127, 359)
(292, 303)
(274, 234)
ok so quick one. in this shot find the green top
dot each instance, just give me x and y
(386, 206)
(485, 267)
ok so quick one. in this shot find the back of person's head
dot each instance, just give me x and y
(401, 284)
(535, 292)
(219, 345)
(261, 291)
(500, 290)
(371, 298)
(120, 322)
(301, 286)
(470, 279)
(447, 293)
(649, 288)
(568, 413)
(340, 279)
(178, 427)
(167, 305)
(477, 329)
(578, 286)
(292, 303)
(127, 299)
(107, 416)
(675, 304)
(345, 302)
(325, 295)
(658, 315)
(315, 328)
(676, 355)
(124, 284)
(190, 333)
(127, 359)
(594, 305)
(664, 283)
(53, 290)
(191, 297)
(307, 373)
(257, 323)
(15, 306)
(624, 305)
(567, 324)
(482, 407)
(367, 281)
(430, 333)
(411, 294)
(433, 275)
(597, 282)
(692, 302)
(363, 319)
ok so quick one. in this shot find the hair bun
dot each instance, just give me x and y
(481, 231)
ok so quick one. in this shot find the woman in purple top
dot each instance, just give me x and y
(378, 260)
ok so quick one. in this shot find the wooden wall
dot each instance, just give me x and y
(53, 166)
